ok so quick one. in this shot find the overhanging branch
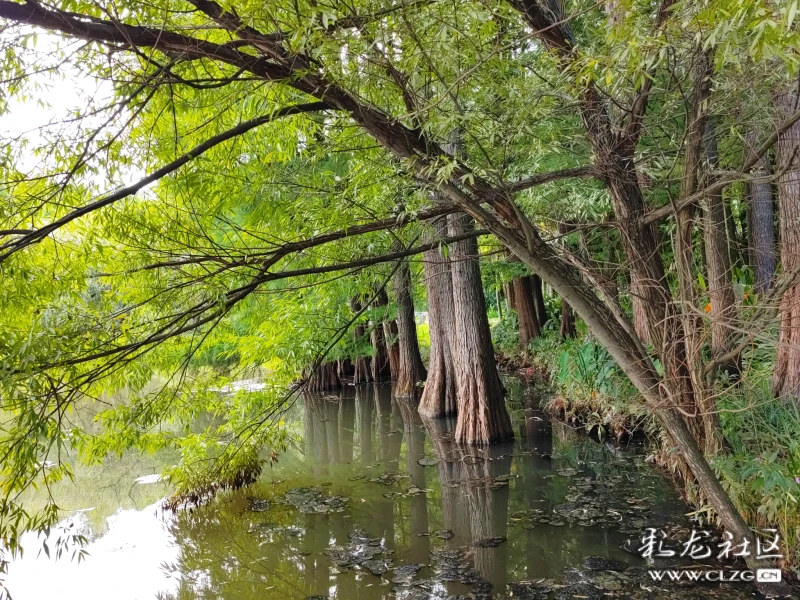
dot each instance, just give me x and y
(30, 238)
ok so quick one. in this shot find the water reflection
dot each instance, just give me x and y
(474, 503)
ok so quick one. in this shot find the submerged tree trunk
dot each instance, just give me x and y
(324, 378)
(439, 395)
(379, 366)
(362, 365)
(786, 378)
(762, 251)
(482, 414)
(526, 312)
(410, 369)
(720, 286)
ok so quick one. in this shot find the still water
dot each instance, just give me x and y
(374, 503)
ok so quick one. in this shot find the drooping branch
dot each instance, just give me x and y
(39, 234)
(208, 310)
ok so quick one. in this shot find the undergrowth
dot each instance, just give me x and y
(761, 468)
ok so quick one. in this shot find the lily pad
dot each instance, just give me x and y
(404, 574)
(388, 478)
(444, 534)
(490, 542)
(258, 504)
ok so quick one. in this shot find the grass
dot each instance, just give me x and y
(761, 470)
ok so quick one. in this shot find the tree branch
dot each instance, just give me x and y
(524, 184)
(37, 235)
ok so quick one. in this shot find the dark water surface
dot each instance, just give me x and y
(375, 503)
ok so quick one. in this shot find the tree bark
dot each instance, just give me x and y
(324, 378)
(720, 287)
(526, 312)
(640, 323)
(390, 332)
(567, 321)
(379, 366)
(699, 405)
(362, 365)
(538, 301)
(439, 395)
(762, 251)
(482, 414)
(786, 378)
(410, 368)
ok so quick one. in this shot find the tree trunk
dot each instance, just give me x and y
(379, 366)
(410, 367)
(498, 300)
(526, 312)
(762, 251)
(439, 395)
(324, 378)
(567, 321)
(482, 414)
(344, 369)
(390, 332)
(538, 300)
(720, 288)
(630, 355)
(640, 322)
(362, 365)
(698, 401)
(786, 378)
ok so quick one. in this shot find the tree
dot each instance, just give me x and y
(380, 366)
(439, 394)
(480, 406)
(760, 218)
(720, 286)
(580, 104)
(410, 369)
(786, 378)
(526, 311)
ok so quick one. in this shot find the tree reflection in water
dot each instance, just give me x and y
(229, 551)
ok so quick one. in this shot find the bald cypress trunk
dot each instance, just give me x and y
(379, 366)
(526, 312)
(392, 344)
(324, 378)
(482, 414)
(762, 251)
(362, 365)
(786, 378)
(439, 395)
(410, 369)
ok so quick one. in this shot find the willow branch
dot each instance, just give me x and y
(37, 235)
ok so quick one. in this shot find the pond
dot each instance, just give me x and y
(374, 503)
